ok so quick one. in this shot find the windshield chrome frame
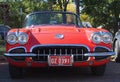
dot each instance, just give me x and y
(78, 21)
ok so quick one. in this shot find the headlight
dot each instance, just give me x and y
(22, 38)
(96, 38)
(11, 38)
(107, 38)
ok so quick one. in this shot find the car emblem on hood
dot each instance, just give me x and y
(59, 36)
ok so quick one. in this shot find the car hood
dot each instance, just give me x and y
(53, 29)
(58, 34)
(62, 34)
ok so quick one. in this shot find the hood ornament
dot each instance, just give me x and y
(59, 36)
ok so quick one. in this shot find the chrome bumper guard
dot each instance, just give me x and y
(32, 54)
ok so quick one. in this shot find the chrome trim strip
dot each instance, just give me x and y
(17, 47)
(87, 54)
(58, 45)
(19, 55)
(100, 54)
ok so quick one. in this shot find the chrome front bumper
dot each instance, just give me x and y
(32, 54)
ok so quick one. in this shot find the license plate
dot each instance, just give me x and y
(60, 60)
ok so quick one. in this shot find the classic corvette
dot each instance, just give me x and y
(57, 39)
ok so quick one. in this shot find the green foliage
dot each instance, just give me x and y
(63, 4)
(100, 12)
(2, 47)
(27, 6)
(16, 17)
(103, 12)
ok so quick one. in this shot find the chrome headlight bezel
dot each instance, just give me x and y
(11, 38)
(107, 37)
(98, 37)
(17, 37)
(22, 38)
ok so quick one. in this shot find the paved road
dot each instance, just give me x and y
(112, 74)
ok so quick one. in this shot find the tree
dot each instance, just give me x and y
(27, 6)
(51, 3)
(103, 12)
(18, 9)
(4, 13)
(63, 4)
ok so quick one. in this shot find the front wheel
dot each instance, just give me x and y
(98, 70)
(15, 72)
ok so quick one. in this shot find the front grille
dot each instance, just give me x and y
(44, 51)
(56, 50)
(80, 58)
(40, 58)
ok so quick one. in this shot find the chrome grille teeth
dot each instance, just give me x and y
(76, 52)
(82, 54)
(71, 52)
(60, 51)
(65, 51)
(55, 53)
(49, 52)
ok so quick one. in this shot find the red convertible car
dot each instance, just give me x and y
(57, 39)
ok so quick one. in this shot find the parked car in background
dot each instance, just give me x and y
(116, 46)
(3, 31)
(57, 39)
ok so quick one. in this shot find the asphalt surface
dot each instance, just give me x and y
(82, 74)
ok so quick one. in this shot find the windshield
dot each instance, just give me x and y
(52, 18)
